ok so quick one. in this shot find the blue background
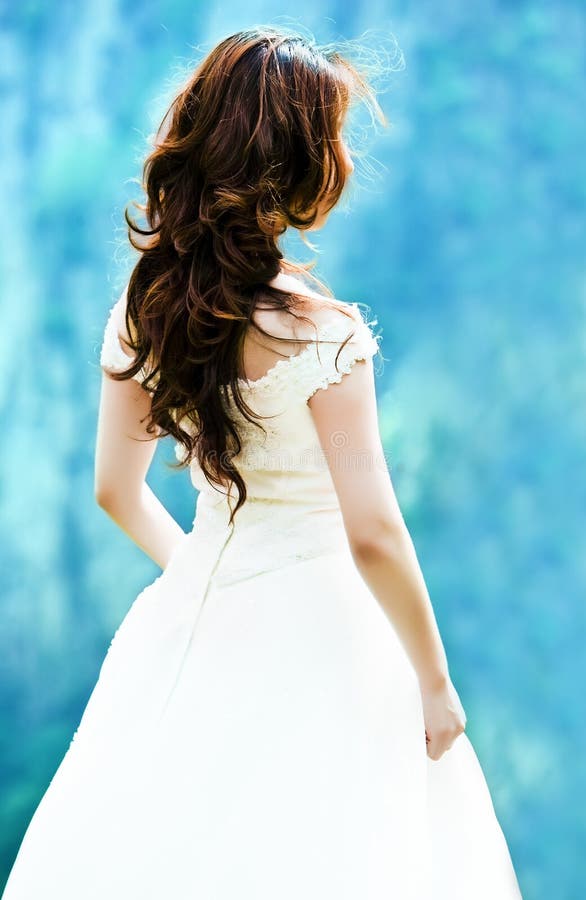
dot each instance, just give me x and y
(463, 231)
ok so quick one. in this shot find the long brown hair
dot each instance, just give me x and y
(248, 147)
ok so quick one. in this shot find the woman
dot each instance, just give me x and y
(275, 715)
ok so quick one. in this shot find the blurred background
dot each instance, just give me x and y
(463, 232)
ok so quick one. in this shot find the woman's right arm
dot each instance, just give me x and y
(346, 419)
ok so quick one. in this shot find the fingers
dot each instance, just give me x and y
(438, 743)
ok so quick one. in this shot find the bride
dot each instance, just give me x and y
(275, 716)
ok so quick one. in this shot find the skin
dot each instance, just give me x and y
(378, 537)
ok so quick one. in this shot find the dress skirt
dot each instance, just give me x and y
(256, 735)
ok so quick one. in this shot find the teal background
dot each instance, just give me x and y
(464, 233)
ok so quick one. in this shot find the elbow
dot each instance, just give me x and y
(117, 500)
(105, 497)
(102, 498)
(376, 542)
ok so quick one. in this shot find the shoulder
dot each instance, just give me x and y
(338, 320)
(117, 321)
(116, 353)
(311, 316)
(342, 336)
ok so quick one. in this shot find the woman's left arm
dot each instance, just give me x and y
(124, 452)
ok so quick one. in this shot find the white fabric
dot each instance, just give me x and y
(256, 730)
(112, 355)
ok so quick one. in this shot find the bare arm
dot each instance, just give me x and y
(124, 452)
(379, 540)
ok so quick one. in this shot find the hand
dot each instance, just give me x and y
(444, 718)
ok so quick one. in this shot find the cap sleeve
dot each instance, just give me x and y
(328, 359)
(112, 356)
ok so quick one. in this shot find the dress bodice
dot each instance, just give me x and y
(291, 499)
(287, 462)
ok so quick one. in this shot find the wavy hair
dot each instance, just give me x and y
(248, 147)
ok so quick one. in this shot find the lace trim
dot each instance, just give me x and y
(328, 365)
(362, 345)
(297, 378)
(344, 367)
(112, 356)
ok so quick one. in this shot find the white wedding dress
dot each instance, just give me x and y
(256, 731)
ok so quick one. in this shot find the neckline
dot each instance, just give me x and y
(270, 373)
